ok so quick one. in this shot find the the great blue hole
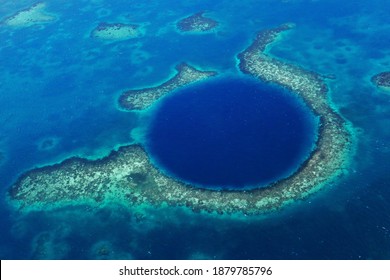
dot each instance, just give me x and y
(231, 134)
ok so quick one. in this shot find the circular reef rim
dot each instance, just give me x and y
(126, 176)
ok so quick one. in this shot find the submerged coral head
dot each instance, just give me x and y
(382, 79)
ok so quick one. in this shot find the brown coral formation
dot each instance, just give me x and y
(116, 31)
(382, 79)
(197, 23)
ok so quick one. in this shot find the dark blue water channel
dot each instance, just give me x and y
(231, 133)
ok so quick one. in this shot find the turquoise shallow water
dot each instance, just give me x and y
(58, 83)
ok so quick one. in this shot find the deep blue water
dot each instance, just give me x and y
(56, 82)
(231, 133)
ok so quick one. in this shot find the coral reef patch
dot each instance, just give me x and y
(197, 23)
(116, 31)
(35, 14)
(381, 80)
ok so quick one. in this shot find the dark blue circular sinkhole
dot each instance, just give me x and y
(231, 133)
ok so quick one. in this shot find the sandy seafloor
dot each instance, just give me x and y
(56, 82)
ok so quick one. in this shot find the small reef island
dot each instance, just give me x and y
(382, 80)
(35, 14)
(129, 177)
(116, 31)
(197, 23)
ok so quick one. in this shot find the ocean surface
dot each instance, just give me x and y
(59, 92)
